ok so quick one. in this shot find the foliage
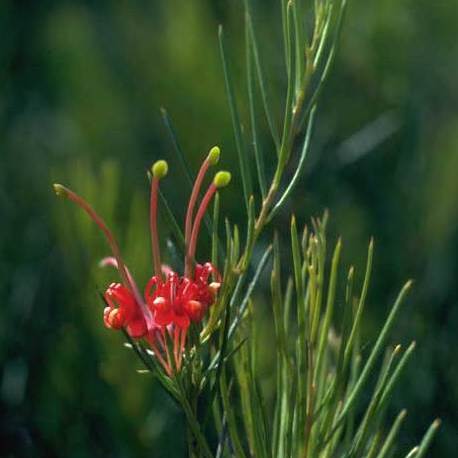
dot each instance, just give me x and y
(317, 389)
(81, 87)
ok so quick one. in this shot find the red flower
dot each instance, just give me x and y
(172, 303)
(180, 300)
(123, 311)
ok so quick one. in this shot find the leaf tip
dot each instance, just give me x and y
(409, 284)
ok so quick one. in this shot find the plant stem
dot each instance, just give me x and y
(203, 449)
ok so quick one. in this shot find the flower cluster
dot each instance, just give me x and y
(170, 302)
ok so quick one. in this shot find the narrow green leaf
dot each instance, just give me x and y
(285, 381)
(299, 48)
(297, 268)
(193, 423)
(318, 250)
(324, 332)
(244, 302)
(176, 146)
(242, 372)
(259, 158)
(250, 233)
(261, 79)
(427, 439)
(286, 42)
(241, 151)
(350, 420)
(345, 331)
(223, 342)
(290, 95)
(234, 255)
(277, 299)
(230, 415)
(374, 445)
(229, 304)
(227, 226)
(389, 441)
(299, 169)
(287, 304)
(361, 304)
(375, 351)
(301, 343)
(395, 376)
(261, 423)
(253, 415)
(329, 61)
(222, 439)
(412, 453)
(370, 419)
(173, 223)
(249, 290)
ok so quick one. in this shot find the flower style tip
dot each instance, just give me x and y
(213, 155)
(222, 179)
(60, 190)
(160, 169)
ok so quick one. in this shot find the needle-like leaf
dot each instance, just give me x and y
(239, 142)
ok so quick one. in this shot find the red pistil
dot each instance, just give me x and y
(62, 190)
(195, 230)
(159, 170)
(211, 159)
(221, 180)
(153, 222)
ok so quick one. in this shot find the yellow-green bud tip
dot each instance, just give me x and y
(222, 179)
(213, 155)
(59, 189)
(160, 169)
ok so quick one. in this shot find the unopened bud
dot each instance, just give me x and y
(222, 179)
(160, 169)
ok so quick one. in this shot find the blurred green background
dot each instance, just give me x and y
(81, 84)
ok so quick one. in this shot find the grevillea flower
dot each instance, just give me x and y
(170, 302)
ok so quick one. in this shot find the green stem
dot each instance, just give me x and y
(203, 448)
